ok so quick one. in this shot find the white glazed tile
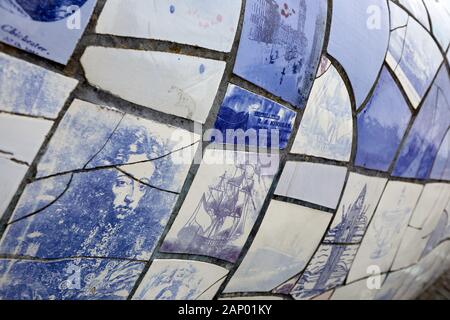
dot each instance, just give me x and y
(418, 10)
(399, 17)
(439, 11)
(210, 24)
(11, 175)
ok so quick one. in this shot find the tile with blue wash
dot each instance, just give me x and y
(285, 242)
(280, 46)
(116, 195)
(411, 48)
(316, 183)
(177, 84)
(399, 17)
(363, 26)
(50, 29)
(441, 166)
(68, 279)
(360, 198)
(418, 10)
(326, 270)
(326, 129)
(382, 125)
(31, 90)
(439, 11)
(430, 127)
(222, 205)
(210, 24)
(386, 228)
(246, 118)
(180, 280)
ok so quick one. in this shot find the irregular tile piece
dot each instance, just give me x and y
(359, 290)
(285, 242)
(399, 17)
(328, 269)
(68, 279)
(50, 29)
(223, 204)
(313, 182)
(211, 24)
(418, 10)
(280, 46)
(176, 84)
(411, 48)
(180, 280)
(363, 26)
(11, 174)
(428, 131)
(356, 208)
(116, 208)
(382, 125)
(441, 166)
(246, 118)
(31, 90)
(439, 11)
(386, 229)
(326, 129)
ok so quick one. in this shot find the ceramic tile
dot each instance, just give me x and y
(439, 11)
(360, 198)
(418, 10)
(411, 48)
(399, 17)
(328, 269)
(428, 131)
(210, 24)
(358, 290)
(326, 129)
(263, 122)
(11, 174)
(386, 229)
(312, 182)
(181, 85)
(180, 280)
(67, 279)
(382, 125)
(440, 232)
(280, 46)
(50, 29)
(441, 166)
(363, 26)
(222, 205)
(129, 177)
(31, 90)
(285, 242)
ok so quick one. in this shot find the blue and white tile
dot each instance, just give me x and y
(418, 10)
(285, 242)
(280, 46)
(211, 24)
(359, 39)
(399, 17)
(326, 129)
(50, 29)
(360, 198)
(68, 279)
(223, 203)
(316, 183)
(31, 90)
(327, 269)
(365, 289)
(11, 173)
(439, 11)
(385, 232)
(180, 280)
(177, 84)
(246, 118)
(441, 166)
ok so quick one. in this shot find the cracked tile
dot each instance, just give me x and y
(265, 122)
(399, 17)
(180, 280)
(280, 46)
(181, 85)
(31, 90)
(285, 242)
(11, 174)
(326, 129)
(358, 290)
(418, 10)
(441, 166)
(223, 204)
(67, 279)
(439, 11)
(210, 24)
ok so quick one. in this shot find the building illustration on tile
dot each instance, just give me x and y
(182, 85)
(280, 46)
(210, 24)
(115, 204)
(284, 244)
(180, 280)
(39, 26)
(222, 206)
(67, 279)
(263, 122)
(326, 129)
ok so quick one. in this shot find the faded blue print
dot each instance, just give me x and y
(41, 10)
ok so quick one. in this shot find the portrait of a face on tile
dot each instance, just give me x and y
(224, 150)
